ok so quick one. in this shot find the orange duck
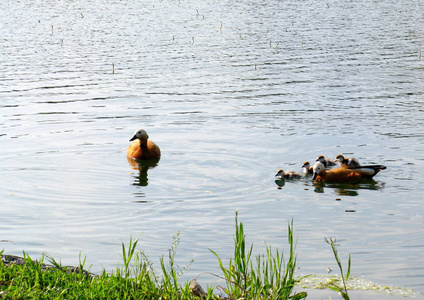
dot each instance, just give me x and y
(337, 175)
(367, 171)
(142, 147)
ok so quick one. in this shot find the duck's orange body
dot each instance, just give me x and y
(367, 171)
(142, 147)
(337, 175)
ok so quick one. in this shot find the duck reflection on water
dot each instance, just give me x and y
(143, 166)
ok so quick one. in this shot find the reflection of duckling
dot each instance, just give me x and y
(341, 175)
(287, 175)
(142, 147)
(347, 162)
(280, 182)
(327, 162)
(307, 169)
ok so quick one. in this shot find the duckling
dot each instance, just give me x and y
(307, 169)
(142, 147)
(347, 162)
(327, 162)
(287, 175)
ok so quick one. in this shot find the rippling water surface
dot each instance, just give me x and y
(230, 91)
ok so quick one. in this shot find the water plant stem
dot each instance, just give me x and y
(341, 290)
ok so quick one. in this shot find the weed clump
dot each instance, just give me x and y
(267, 277)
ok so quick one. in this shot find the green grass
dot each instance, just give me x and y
(267, 276)
(135, 280)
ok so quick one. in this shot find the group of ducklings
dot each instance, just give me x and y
(349, 170)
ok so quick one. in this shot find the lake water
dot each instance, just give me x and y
(231, 91)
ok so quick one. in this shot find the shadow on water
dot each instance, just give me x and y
(143, 166)
(341, 189)
(280, 182)
(348, 189)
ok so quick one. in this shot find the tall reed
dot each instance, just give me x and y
(269, 277)
(341, 290)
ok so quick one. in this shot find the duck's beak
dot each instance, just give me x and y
(133, 138)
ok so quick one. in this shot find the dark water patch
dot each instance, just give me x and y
(58, 113)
